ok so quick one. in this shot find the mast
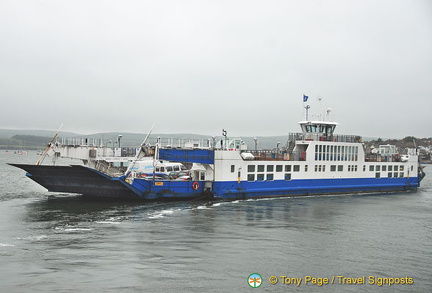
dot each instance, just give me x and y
(139, 154)
(42, 157)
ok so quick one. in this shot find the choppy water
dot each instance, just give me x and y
(68, 244)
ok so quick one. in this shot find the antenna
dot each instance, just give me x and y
(328, 111)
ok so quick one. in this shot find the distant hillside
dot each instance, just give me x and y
(401, 144)
(9, 133)
(37, 139)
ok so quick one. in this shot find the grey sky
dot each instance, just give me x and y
(200, 66)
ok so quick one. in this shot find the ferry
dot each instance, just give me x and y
(315, 161)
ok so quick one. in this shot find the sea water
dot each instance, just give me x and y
(53, 242)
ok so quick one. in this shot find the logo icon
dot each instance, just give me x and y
(255, 280)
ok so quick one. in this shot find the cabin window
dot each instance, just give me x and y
(287, 168)
(401, 175)
(169, 168)
(349, 168)
(251, 177)
(232, 168)
(390, 168)
(202, 176)
(395, 174)
(270, 177)
(378, 168)
(384, 168)
(287, 176)
(306, 168)
(412, 168)
(332, 153)
(340, 168)
(401, 168)
(260, 168)
(176, 168)
(356, 154)
(251, 168)
(333, 168)
(260, 177)
(377, 175)
(270, 168)
(327, 152)
(390, 174)
(278, 168)
(371, 168)
(364, 168)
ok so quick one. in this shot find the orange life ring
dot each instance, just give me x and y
(195, 185)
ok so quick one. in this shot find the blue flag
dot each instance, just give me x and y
(305, 98)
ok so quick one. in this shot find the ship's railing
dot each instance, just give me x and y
(277, 155)
(181, 142)
(323, 137)
(82, 141)
(200, 143)
(383, 158)
(111, 148)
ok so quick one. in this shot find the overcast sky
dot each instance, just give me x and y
(197, 66)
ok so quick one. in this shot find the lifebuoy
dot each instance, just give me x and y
(195, 185)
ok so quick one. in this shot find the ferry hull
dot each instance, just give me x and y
(89, 182)
(76, 179)
(169, 190)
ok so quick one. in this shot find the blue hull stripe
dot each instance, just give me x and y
(150, 189)
(311, 186)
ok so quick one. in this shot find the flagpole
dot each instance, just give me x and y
(307, 107)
